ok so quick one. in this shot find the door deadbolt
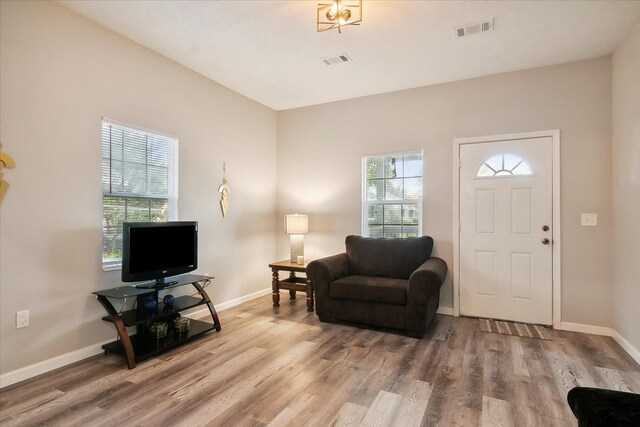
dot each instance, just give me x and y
(545, 241)
(545, 228)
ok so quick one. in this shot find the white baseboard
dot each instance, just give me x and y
(203, 312)
(237, 301)
(447, 311)
(626, 345)
(30, 371)
(586, 329)
(608, 332)
(56, 362)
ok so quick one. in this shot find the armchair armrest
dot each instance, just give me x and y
(423, 293)
(428, 278)
(323, 271)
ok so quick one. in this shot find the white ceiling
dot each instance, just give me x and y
(270, 50)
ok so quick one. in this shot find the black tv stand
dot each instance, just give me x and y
(141, 345)
(158, 284)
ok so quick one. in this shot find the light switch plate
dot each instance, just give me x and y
(22, 319)
(589, 220)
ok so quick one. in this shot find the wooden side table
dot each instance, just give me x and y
(293, 283)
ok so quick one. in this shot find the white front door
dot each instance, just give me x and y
(506, 229)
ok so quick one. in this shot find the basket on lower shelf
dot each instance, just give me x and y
(159, 330)
(181, 325)
(158, 333)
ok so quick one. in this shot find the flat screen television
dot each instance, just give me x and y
(155, 250)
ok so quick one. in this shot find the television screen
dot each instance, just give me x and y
(155, 250)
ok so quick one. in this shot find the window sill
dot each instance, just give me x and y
(111, 267)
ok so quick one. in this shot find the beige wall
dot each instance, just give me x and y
(626, 188)
(60, 73)
(320, 150)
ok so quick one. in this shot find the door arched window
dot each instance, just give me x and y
(504, 165)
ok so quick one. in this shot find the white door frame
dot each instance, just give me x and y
(555, 230)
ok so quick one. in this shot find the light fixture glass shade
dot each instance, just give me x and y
(338, 13)
(296, 224)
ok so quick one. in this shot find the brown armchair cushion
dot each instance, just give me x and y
(370, 289)
(396, 258)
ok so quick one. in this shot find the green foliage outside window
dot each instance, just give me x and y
(117, 210)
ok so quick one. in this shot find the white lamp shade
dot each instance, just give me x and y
(296, 224)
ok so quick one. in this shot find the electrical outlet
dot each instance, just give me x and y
(22, 319)
(589, 220)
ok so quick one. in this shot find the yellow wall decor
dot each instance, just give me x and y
(224, 191)
(5, 162)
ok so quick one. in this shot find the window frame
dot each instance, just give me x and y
(365, 204)
(172, 183)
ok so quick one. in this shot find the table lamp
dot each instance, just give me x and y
(296, 226)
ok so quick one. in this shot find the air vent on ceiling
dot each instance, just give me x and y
(475, 28)
(337, 59)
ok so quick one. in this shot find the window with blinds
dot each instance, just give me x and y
(139, 183)
(392, 195)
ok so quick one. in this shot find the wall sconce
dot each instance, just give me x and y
(296, 226)
(338, 13)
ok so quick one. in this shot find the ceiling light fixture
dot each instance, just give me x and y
(338, 13)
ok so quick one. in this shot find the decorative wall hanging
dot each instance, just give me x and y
(224, 191)
(5, 162)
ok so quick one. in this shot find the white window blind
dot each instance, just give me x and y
(392, 195)
(139, 183)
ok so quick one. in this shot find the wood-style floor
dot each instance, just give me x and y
(281, 366)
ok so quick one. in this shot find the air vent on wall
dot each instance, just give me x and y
(337, 59)
(475, 28)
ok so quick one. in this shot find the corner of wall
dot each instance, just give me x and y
(624, 192)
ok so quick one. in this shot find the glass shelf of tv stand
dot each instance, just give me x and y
(146, 348)
(136, 316)
(132, 318)
(133, 290)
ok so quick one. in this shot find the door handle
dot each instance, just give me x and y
(545, 228)
(545, 241)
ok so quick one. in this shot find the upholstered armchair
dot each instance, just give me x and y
(392, 283)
